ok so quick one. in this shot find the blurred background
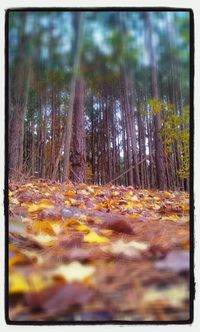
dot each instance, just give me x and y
(126, 77)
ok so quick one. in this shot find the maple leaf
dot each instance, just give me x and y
(174, 295)
(93, 237)
(131, 249)
(21, 284)
(43, 227)
(45, 240)
(17, 283)
(40, 206)
(74, 271)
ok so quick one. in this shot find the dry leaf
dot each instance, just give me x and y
(93, 237)
(74, 271)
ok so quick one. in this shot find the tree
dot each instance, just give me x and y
(159, 155)
(19, 84)
(75, 75)
(98, 106)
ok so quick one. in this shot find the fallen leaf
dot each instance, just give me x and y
(177, 261)
(13, 200)
(130, 249)
(93, 237)
(174, 295)
(21, 284)
(16, 226)
(18, 259)
(117, 224)
(83, 228)
(59, 297)
(40, 206)
(17, 283)
(43, 227)
(45, 240)
(74, 271)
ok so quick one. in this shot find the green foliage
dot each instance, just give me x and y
(156, 105)
(176, 131)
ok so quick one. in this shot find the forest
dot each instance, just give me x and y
(91, 106)
(99, 165)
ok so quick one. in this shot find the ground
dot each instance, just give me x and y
(82, 252)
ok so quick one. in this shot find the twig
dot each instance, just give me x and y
(75, 174)
(118, 177)
(21, 174)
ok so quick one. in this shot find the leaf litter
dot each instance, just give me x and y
(83, 252)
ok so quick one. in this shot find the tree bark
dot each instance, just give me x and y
(75, 74)
(78, 144)
(159, 155)
(19, 84)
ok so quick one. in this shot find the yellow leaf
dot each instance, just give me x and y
(72, 221)
(44, 239)
(167, 194)
(115, 193)
(42, 227)
(183, 232)
(34, 255)
(72, 200)
(74, 271)
(93, 237)
(57, 227)
(37, 282)
(133, 215)
(172, 217)
(156, 207)
(13, 247)
(84, 192)
(17, 259)
(70, 193)
(131, 248)
(10, 193)
(29, 185)
(133, 205)
(40, 206)
(91, 190)
(13, 200)
(17, 284)
(82, 228)
(185, 207)
(175, 295)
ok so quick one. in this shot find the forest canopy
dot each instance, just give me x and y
(100, 97)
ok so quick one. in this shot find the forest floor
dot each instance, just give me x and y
(82, 252)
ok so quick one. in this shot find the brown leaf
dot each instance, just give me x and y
(117, 224)
(73, 242)
(59, 297)
(158, 251)
(51, 213)
(176, 261)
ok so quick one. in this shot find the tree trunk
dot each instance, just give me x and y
(78, 143)
(75, 74)
(159, 155)
(19, 84)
